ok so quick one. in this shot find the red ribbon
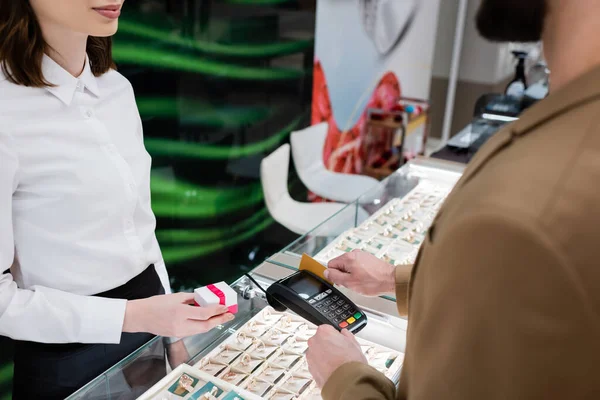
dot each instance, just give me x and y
(217, 292)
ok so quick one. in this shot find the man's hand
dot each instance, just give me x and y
(172, 315)
(363, 273)
(328, 350)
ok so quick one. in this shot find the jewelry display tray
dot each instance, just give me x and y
(297, 370)
(157, 391)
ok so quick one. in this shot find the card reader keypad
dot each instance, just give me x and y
(335, 309)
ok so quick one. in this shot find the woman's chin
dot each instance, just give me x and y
(105, 30)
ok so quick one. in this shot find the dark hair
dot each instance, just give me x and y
(512, 20)
(22, 46)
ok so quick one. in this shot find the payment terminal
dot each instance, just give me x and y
(316, 301)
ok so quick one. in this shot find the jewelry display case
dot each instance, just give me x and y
(260, 354)
(243, 355)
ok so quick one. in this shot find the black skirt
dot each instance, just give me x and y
(55, 371)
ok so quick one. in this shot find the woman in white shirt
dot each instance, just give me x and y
(86, 282)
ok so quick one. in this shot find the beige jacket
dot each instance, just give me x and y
(504, 299)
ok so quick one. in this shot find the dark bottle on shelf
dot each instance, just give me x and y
(516, 88)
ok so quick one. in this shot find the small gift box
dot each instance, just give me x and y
(218, 293)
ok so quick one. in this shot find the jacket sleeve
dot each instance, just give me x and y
(403, 273)
(498, 312)
(359, 381)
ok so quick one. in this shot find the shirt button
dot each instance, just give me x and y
(88, 114)
(132, 187)
(129, 225)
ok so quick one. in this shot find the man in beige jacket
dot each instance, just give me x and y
(504, 298)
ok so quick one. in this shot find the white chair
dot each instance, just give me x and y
(296, 216)
(307, 150)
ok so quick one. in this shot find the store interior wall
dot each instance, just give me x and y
(484, 68)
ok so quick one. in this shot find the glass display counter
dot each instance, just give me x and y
(227, 363)
(388, 221)
(232, 353)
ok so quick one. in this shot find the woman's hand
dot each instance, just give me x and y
(171, 315)
(363, 273)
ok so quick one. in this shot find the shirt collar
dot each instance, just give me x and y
(65, 84)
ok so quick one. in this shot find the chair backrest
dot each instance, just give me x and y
(274, 176)
(307, 148)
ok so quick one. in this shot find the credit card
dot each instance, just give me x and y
(311, 265)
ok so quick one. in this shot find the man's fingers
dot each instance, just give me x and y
(347, 333)
(323, 330)
(341, 263)
(337, 277)
(204, 313)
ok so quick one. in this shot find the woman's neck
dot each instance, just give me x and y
(65, 47)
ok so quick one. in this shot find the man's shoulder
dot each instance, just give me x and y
(553, 162)
(547, 175)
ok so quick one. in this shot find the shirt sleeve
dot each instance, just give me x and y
(43, 314)
(161, 270)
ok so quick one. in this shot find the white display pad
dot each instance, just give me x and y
(265, 359)
(266, 356)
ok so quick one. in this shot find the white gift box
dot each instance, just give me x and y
(217, 293)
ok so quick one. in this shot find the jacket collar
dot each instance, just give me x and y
(582, 90)
(575, 94)
(65, 84)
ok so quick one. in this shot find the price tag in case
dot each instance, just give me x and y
(217, 293)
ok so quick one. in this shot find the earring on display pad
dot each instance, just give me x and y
(260, 345)
(246, 360)
(241, 337)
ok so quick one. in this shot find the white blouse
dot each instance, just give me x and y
(75, 216)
